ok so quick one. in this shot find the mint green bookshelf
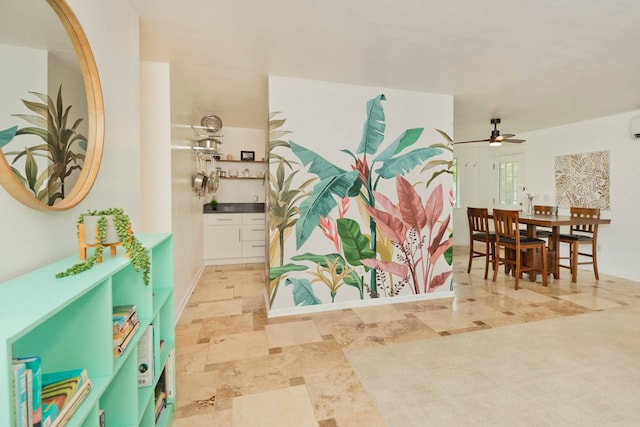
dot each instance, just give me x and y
(67, 322)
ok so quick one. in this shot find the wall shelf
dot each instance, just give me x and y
(68, 323)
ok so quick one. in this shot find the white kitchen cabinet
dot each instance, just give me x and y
(222, 236)
(234, 238)
(253, 237)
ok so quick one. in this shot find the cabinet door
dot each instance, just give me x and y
(222, 242)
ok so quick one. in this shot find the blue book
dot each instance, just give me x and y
(33, 364)
(20, 392)
(49, 414)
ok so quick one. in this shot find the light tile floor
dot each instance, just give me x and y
(235, 367)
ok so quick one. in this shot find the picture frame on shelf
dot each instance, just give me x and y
(249, 156)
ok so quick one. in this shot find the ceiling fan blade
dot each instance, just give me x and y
(507, 135)
(466, 142)
(517, 141)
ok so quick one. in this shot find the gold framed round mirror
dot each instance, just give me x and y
(50, 149)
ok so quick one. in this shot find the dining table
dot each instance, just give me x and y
(554, 222)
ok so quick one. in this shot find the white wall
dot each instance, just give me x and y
(32, 238)
(617, 255)
(155, 147)
(236, 140)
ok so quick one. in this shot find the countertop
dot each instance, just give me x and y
(234, 208)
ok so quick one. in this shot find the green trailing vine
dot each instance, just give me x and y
(137, 252)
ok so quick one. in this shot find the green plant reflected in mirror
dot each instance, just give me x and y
(52, 116)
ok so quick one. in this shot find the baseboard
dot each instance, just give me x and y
(180, 307)
(290, 311)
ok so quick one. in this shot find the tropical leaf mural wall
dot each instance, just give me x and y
(377, 243)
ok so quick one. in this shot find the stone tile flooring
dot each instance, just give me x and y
(235, 367)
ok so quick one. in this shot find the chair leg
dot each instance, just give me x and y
(574, 262)
(594, 254)
(486, 261)
(470, 256)
(518, 273)
(496, 260)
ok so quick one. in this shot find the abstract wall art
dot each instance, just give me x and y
(582, 180)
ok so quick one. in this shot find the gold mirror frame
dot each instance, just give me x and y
(95, 135)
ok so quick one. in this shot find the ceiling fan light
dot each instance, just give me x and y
(495, 144)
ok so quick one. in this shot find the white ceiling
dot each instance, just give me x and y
(535, 64)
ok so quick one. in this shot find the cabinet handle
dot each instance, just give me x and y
(225, 219)
(239, 239)
(257, 246)
(257, 229)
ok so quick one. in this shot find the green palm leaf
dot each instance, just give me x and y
(319, 166)
(277, 272)
(6, 136)
(403, 164)
(406, 139)
(321, 202)
(355, 245)
(374, 125)
(302, 292)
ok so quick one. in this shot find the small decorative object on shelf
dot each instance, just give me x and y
(122, 224)
(248, 155)
(214, 204)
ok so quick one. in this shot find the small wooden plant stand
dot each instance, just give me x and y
(84, 246)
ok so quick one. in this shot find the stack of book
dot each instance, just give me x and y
(125, 325)
(62, 394)
(27, 388)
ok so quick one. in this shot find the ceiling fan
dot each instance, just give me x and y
(496, 139)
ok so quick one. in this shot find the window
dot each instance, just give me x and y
(509, 172)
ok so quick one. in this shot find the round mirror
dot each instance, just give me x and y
(52, 116)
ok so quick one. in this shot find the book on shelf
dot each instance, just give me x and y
(48, 415)
(21, 402)
(120, 348)
(161, 403)
(123, 317)
(170, 374)
(64, 390)
(75, 403)
(33, 364)
(122, 336)
(123, 314)
(145, 358)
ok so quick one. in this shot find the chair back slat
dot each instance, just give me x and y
(506, 224)
(585, 229)
(543, 210)
(478, 220)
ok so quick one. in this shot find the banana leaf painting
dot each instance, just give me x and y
(61, 153)
(378, 247)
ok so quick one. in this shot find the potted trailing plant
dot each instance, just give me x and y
(136, 252)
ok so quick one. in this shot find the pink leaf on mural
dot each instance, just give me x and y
(386, 204)
(438, 251)
(439, 280)
(410, 204)
(438, 238)
(394, 268)
(391, 227)
(433, 207)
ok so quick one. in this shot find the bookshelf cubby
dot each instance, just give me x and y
(68, 323)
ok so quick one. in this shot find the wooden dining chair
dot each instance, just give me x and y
(545, 233)
(581, 234)
(479, 233)
(506, 226)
